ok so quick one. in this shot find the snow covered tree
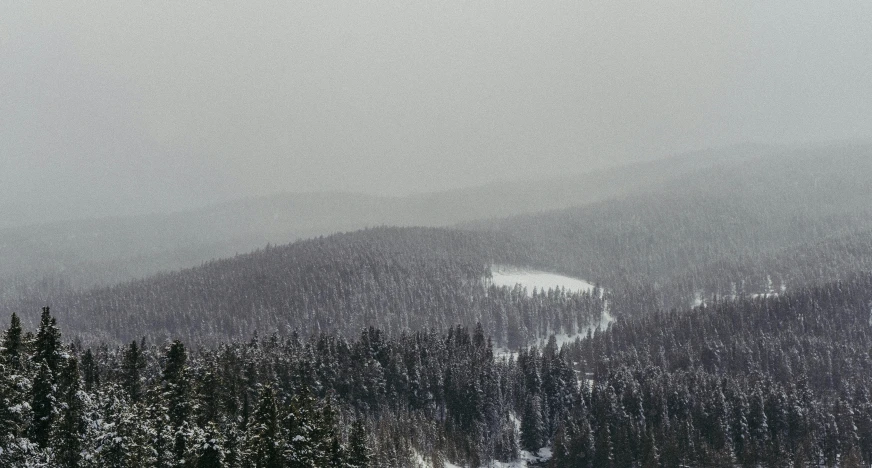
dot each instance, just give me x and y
(43, 404)
(359, 454)
(263, 441)
(209, 448)
(90, 371)
(532, 427)
(131, 367)
(68, 434)
(12, 345)
(305, 431)
(47, 347)
(175, 395)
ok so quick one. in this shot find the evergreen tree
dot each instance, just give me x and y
(264, 438)
(358, 446)
(68, 434)
(175, 396)
(306, 431)
(532, 427)
(603, 452)
(210, 450)
(43, 405)
(90, 371)
(133, 362)
(47, 347)
(12, 344)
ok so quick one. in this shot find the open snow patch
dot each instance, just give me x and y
(509, 276)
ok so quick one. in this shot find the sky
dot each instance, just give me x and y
(110, 108)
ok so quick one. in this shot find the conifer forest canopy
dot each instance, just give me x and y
(436, 234)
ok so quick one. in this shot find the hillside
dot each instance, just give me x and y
(750, 382)
(715, 231)
(107, 251)
(393, 278)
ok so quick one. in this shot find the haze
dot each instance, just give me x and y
(111, 108)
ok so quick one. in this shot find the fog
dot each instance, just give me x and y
(110, 108)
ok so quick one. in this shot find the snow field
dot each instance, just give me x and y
(509, 276)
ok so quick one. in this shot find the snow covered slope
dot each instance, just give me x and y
(530, 279)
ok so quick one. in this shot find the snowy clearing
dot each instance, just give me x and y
(529, 279)
(532, 279)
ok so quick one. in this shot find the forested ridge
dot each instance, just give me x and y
(392, 278)
(795, 220)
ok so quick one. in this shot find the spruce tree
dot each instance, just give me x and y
(67, 436)
(175, 396)
(47, 347)
(90, 371)
(210, 450)
(358, 446)
(131, 366)
(12, 422)
(264, 438)
(12, 349)
(305, 431)
(603, 451)
(43, 405)
(532, 427)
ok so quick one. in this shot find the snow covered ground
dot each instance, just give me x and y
(533, 279)
(510, 276)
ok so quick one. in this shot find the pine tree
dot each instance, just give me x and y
(305, 431)
(123, 433)
(264, 438)
(12, 349)
(90, 371)
(43, 405)
(47, 347)
(175, 395)
(603, 452)
(358, 446)
(70, 430)
(131, 366)
(532, 427)
(210, 450)
(8, 421)
(650, 452)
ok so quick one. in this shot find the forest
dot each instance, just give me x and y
(741, 337)
(766, 381)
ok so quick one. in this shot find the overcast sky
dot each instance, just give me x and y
(116, 107)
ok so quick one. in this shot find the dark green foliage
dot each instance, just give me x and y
(358, 446)
(131, 367)
(264, 438)
(532, 427)
(47, 348)
(43, 405)
(90, 371)
(69, 432)
(11, 347)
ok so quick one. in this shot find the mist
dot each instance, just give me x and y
(140, 107)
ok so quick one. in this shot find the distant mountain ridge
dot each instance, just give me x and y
(106, 251)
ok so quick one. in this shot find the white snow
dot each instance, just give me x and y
(509, 276)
